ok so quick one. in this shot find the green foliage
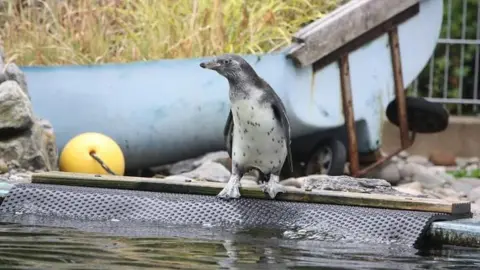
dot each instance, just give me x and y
(464, 173)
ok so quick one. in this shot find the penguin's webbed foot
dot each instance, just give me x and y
(231, 189)
(273, 187)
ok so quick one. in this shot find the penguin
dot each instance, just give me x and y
(257, 130)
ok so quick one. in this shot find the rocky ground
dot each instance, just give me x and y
(440, 175)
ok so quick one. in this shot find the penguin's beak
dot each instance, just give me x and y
(210, 64)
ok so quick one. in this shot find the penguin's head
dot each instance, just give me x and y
(230, 66)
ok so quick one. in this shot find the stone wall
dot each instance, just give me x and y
(27, 142)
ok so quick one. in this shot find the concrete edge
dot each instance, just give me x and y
(461, 232)
(461, 138)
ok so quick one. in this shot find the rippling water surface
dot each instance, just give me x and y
(34, 247)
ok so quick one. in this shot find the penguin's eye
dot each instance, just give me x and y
(226, 61)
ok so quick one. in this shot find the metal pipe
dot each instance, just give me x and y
(346, 89)
(399, 87)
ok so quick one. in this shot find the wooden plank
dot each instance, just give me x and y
(292, 194)
(342, 26)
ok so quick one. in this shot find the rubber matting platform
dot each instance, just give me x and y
(82, 204)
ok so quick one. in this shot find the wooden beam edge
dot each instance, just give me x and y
(292, 194)
(304, 58)
(348, 7)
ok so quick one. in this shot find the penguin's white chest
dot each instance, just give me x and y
(258, 139)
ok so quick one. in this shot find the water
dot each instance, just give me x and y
(36, 247)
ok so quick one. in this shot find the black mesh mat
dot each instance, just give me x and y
(127, 208)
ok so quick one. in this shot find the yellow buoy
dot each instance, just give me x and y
(76, 155)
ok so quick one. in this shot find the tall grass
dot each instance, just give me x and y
(51, 32)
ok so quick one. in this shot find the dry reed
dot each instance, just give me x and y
(53, 32)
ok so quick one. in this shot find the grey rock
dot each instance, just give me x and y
(474, 195)
(15, 107)
(293, 182)
(414, 188)
(464, 161)
(428, 177)
(218, 157)
(465, 185)
(474, 160)
(13, 165)
(388, 171)
(3, 166)
(209, 171)
(250, 178)
(403, 154)
(437, 169)
(179, 178)
(20, 178)
(12, 72)
(347, 183)
(2, 57)
(421, 160)
(407, 170)
(428, 180)
(461, 162)
(193, 163)
(472, 167)
(449, 194)
(3, 77)
(34, 148)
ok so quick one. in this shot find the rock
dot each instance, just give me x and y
(470, 168)
(18, 178)
(424, 176)
(464, 162)
(12, 72)
(421, 160)
(346, 183)
(3, 166)
(403, 155)
(218, 157)
(193, 163)
(34, 147)
(16, 108)
(178, 178)
(414, 188)
(448, 194)
(442, 158)
(388, 171)
(249, 179)
(407, 169)
(437, 169)
(293, 182)
(465, 185)
(474, 160)
(474, 194)
(210, 171)
(2, 57)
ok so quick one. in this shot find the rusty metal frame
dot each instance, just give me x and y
(405, 138)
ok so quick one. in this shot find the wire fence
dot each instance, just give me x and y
(451, 77)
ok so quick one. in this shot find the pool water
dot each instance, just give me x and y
(36, 247)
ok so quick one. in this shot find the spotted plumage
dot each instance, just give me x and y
(257, 130)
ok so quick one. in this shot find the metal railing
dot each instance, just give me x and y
(452, 75)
